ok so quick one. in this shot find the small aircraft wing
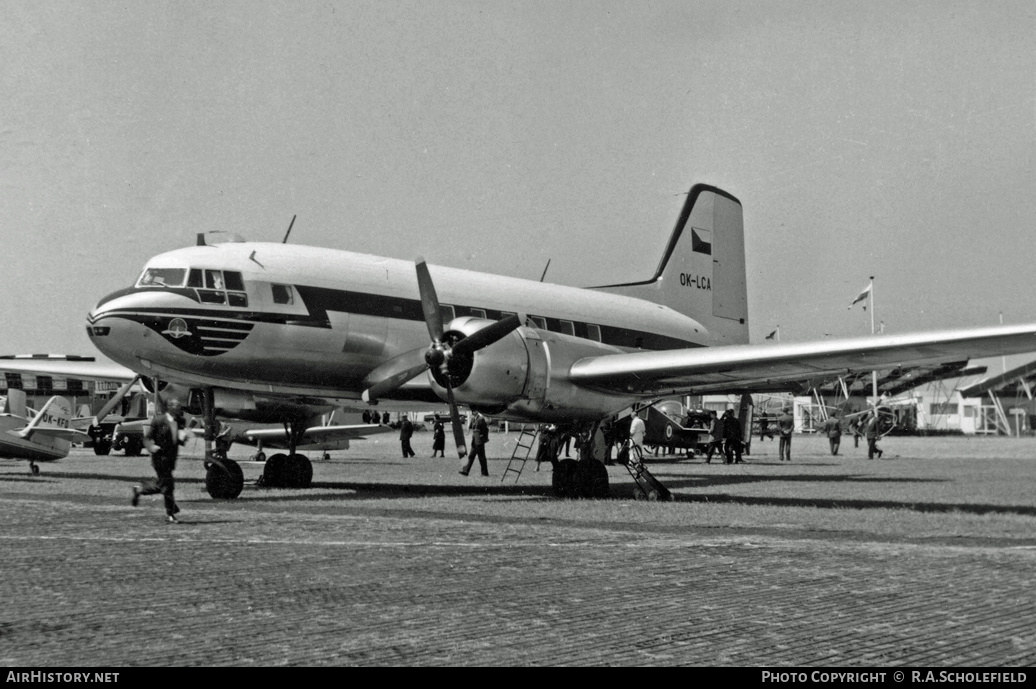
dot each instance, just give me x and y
(782, 367)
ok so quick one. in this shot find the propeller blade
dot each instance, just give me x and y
(458, 429)
(487, 336)
(394, 373)
(429, 301)
(383, 387)
(114, 401)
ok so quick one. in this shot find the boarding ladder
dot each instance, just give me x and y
(522, 450)
(648, 487)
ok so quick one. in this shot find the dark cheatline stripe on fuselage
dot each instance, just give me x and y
(320, 300)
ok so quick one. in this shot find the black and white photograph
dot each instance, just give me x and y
(472, 333)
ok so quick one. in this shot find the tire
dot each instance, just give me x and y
(225, 480)
(563, 479)
(102, 447)
(274, 471)
(298, 472)
(591, 479)
(133, 445)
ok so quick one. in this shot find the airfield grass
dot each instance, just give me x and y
(922, 488)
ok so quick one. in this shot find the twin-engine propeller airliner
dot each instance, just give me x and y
(280, 332)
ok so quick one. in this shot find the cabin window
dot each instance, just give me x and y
(283, 294)
(194, 279)
(478, 313)
(234, 281)
(538, 322)
(593, 332)
(162, 277)
(568, 328)
(446, 312)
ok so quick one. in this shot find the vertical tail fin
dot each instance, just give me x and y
(56, 413)
(702, 272)
(16, 403)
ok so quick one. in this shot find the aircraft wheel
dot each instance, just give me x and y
(274, 471)
(225, 480)
(34, 469)
(133, 446)
(102, 447)
(591, 479)
(259, 457)
(563, 480)
(298, 472)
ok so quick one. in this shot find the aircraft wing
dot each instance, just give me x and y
(319, 434)
(86, 368)
(790, 367)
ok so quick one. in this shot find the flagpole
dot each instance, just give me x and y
(874, 374)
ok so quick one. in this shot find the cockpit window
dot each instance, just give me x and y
(218, 286)
(162, 277)
(214, 279)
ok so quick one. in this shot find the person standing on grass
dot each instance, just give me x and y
(785, 426)
(438, 437)
(872, 432)
(406, 432)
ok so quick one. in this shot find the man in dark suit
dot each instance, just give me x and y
(406, 431)
(479, 438)
(162, 439)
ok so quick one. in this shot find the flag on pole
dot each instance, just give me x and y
(860, 297)
(771, 335)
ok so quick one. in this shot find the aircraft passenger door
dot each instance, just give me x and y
(539, 370)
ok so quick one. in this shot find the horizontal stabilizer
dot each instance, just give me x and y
(54, 420)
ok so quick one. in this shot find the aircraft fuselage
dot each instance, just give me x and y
(310, 324)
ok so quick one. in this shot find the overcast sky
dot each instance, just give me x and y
(893, 139)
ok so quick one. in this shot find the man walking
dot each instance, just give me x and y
(833, 428)
(479, 438)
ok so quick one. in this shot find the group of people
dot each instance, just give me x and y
(479, 438)
(371, 416)
(868, 426)
(726, 437)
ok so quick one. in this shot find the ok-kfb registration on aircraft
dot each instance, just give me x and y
(280, 332)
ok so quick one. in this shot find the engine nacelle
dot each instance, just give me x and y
(524, 376)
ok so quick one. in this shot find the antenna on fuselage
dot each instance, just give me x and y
(545, 270)
(289, 229)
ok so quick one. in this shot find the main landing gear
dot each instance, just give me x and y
(291, 470)
(288, 471)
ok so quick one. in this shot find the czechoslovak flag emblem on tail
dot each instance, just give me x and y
(860, 297)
